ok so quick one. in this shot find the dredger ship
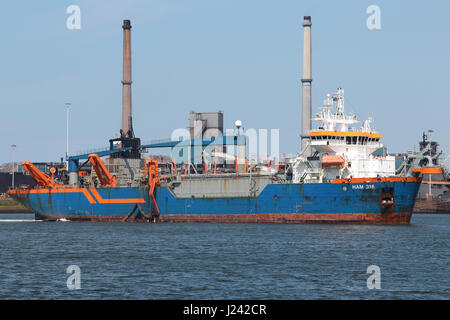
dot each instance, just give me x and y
(334, 179)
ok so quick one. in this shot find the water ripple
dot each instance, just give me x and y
(224, 261)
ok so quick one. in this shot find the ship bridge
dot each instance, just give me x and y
(335, 134)
(344, 142)
(341, 149)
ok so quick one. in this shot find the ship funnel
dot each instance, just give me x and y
(306, 85)
(127, 125)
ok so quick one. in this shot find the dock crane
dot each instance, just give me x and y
(443, 168)
(442, 163)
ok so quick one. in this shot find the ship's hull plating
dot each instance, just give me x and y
(359, 203)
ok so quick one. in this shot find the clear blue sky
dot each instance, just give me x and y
(242, 57)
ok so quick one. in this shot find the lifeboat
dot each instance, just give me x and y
(332, 161)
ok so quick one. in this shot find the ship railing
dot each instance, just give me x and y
(157, 141)
(89, 151)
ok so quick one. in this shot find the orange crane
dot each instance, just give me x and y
(41, 178)
(105, 177)
(153, 181)
(442, 163)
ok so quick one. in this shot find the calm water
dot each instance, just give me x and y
(223, 261)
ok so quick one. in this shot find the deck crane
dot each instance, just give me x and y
(105, 177)
(153, 181)
(41, 178)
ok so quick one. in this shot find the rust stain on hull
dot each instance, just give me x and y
(301, 218)
(292, 218)
(432, 206)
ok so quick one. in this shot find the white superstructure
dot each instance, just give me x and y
(341, 151)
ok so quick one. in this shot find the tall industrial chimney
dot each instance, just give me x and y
(127, 139)
(306, 85)
(127, 125)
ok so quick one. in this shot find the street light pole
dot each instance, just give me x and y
(67, 133)
(13, 146)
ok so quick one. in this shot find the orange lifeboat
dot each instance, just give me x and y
(332, 161)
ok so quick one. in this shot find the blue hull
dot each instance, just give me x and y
(298, 203)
